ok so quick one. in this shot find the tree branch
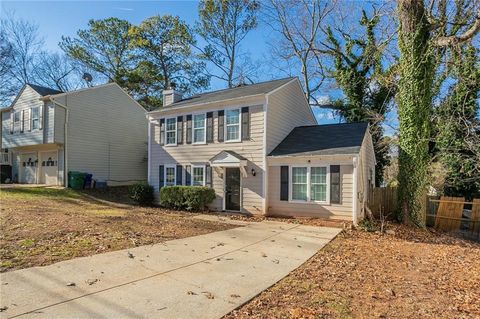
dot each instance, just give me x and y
(467, 35)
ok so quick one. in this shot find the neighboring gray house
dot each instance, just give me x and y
(99, 130)
(260, 148)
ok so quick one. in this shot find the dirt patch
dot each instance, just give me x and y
(406, 274)
(44, 226)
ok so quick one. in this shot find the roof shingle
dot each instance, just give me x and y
(43, 91)
(330, 139)
(236, 92)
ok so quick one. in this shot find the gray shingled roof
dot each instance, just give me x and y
(331, 139)
(43, 91)
(226, 94)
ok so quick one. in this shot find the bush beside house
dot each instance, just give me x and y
(141, 193)
(191, 198)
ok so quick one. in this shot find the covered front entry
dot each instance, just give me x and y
(232, 188)
(232, 166)
(28, 168)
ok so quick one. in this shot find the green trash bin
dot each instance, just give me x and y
(76, 180)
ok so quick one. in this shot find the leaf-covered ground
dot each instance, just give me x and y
(40, 226)
(408, 274)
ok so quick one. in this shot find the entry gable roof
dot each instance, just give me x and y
(331, 139)
(228, 159)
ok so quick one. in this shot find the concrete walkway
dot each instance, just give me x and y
(204, 276)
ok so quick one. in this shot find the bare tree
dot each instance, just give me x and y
(223, 26)
(57, 71)
(6, 56)
(299, 22)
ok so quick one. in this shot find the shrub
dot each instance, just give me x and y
(191, 198)
(141, 193)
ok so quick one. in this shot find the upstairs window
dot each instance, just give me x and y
(198, 131)
(171, 131)
(232, 124)
(35, 118)
(198, 175)
(16, 122)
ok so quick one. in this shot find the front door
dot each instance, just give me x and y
(232, 189)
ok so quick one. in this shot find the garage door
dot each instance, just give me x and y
(28, 168)
(49, 168)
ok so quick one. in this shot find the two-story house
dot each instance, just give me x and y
(99, 130)
(260, 148)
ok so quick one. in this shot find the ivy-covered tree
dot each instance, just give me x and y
(165, 57)
(366, 85)
(422, 35)
(458, 126)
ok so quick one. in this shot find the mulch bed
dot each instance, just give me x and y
(408, 273)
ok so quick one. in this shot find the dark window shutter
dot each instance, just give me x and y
(188, 176)
(161, 173)
(188, 138)
(162, 131)
(179, 175)
(180, 130)
(283, 182)
(221, 124)
(245, 123)
(209, 127)
(208, 174)
(335, 184)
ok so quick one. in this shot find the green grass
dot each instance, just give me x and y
(29, 193)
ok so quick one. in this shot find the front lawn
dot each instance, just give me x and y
(40, 226)
(408, 274)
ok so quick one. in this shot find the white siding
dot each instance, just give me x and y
(186, 154)
(342, 211)
(59, 133)
(287, 109)
(366, 163)
(28, 98)
(107, 135)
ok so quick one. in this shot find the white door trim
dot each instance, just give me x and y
(224, 208)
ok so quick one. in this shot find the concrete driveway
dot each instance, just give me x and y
(204, 276)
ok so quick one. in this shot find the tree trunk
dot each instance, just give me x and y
(414, 107)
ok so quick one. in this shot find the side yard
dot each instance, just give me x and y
(41, 226)
(405, 274)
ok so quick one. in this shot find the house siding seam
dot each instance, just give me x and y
(107, 135)
(286, 110)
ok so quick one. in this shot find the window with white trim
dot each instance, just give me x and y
(318, 184)
(170, 175)
(171, 131)
(299, 183)
(309, 183)
(232, 124)
(35, 118)
(198, 128)
(198, 175)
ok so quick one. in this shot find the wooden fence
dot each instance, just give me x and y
(383, 200)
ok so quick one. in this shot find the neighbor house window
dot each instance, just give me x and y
(198, 175)
(171, 131)
(16, 121)
(35, 118)
(309, 184)
(232, 123)
(199, 128)
(170, 175)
